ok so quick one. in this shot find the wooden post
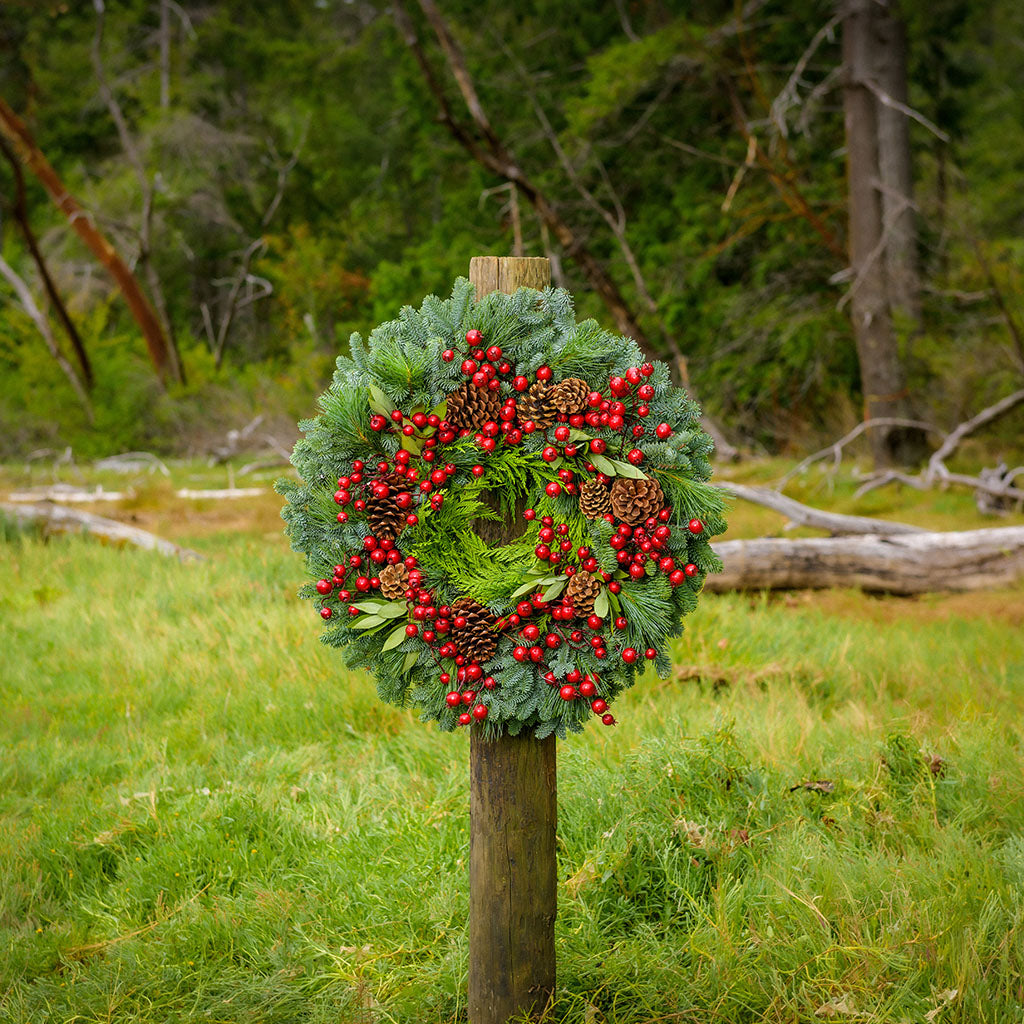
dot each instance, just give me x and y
(512, 814)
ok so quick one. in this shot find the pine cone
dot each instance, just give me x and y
(583, 589)
(394, 581)
(470, 407)
(537, 405)
(634, 501)
(476, 640)
(570, 395)
(386, 519)
(595, 499)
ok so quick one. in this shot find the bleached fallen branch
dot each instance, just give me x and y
(804, 515)
(65, 493)
(55, 519)
(909, 564)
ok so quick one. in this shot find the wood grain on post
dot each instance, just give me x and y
(512, 810)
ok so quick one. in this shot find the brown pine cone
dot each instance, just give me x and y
(634, 501)
(595, 499)
(385, 518)
(536, 405)
(394, 581)
(470, 407)
(583, 589)
(570, 395)
(476, 640)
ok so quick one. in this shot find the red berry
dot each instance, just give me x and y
(677, 577)
(468, 697)
(633, 375)
(598, 446)
(690, 570)
(567, 692)
(494, 353)
(647, 369)
(629, 655)
(453, 699)
(695, 526)
(529, 515)
(608, 719)
(637, 571)
(474, 337)
(323, 587)
(618, 386)
(542, 551)
(325, 613)
(520, 654)
(447, 355)
(553, 489)
(587, 688)
(469, 367)
(480, 712)
(465, 718)
(412, 629)
(594, 622)
(520, 383)
(645, 392)
(549, 454)
(597, 706)
(635, 456)
(544, 373)
(650, 654)
(663, 430)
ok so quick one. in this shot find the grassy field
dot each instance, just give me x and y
(203, 818)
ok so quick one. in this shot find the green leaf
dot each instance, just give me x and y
(601, 603)
(412, 444)
(379, 402)
(627, 469)
(554, 590)
(410, 660)
(616, 604)
(606, 466)
(440, 410)
(373, 607)
(368, 622)
(395, 637)
(530, 584)
(580, 435)
(392, 610)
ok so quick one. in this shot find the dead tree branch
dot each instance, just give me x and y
(146, 192)
(38, 318)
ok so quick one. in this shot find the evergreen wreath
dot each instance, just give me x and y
(463, 416)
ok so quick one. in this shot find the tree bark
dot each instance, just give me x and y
(32, 157)
(513, 809)
(915, 563)
(882, 374)
(894, 164)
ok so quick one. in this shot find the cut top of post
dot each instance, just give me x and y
(508, 273)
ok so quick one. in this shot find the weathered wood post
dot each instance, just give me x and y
(512, 811)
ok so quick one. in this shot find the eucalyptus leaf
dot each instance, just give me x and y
(392, 610)
(368, 621)
(410, 660)
(525, 588)
(379, 402)
(395, 637)
(373, 607)
(627, 469)
(601, 603)
(580, 435)
(606, 466)
(412, 444)
(554, 590)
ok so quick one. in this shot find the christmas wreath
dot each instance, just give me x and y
(505, 512)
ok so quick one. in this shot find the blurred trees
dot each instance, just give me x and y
(286, 180)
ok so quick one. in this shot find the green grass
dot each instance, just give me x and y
(203, 817)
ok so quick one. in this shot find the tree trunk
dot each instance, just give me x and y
(911, 563)
(894, 165)
(513, 810)
(882, 375)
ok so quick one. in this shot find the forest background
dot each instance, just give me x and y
(279, 174)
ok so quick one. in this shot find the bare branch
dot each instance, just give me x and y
(789, 95)
(35, 314)
(836, 449)
(936, 464)
(886, 100)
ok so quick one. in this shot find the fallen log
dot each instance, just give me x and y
(56, 519)
(804, 515)
(914, 563)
